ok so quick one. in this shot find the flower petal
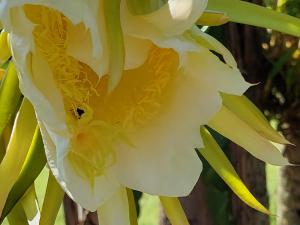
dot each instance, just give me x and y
(221, 76)
(136, 50)
(76, 10)
(78, 188)
(115, 211)
(163, 161)
(172, 19)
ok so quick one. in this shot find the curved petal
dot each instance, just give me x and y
(79, 189)
(35, 87)
(136, 50)
(76, 10)
(44, 95)
(172, 19)
(223, 77)
(196, 59)
(163, 160)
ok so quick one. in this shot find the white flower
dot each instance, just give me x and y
(143, 134)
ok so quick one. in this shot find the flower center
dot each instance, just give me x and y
(96, 118)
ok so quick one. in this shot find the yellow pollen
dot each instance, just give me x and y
(95, 118)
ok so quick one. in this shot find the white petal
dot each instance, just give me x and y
(80, 46)
(31, 86)
(221, 76)
(172, 19)
(78, 188)
(76, 10)
(115, 211)
(163, 161)
(136, 51)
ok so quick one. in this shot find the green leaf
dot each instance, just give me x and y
(251, 14)
(33, 165)
(17, 149)
(52, 201)
(174, 210)
(142, 7)
(115, 42)
(10, 96)
(218, 160)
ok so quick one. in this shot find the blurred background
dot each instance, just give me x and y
(272, 61)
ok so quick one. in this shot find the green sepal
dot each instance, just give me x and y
(245, 110)
(10, 96)
(33, 165)
(17, 216)
(220, 163)
(5, 53)
(30, 204)
(132, 207)
(52, 201)
(251, 14)
(17, 149)
(174, 210)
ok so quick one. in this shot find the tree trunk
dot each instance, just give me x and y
(289, 181)
(245, 44)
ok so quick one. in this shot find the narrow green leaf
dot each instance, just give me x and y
(174, 210)
(132, 207)
(245, 110)
(115, 42)
(219, 162)
(17, 149)
(142, 7)
(52, 201)
(29, 173)
(10, 96)
(251, 14)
